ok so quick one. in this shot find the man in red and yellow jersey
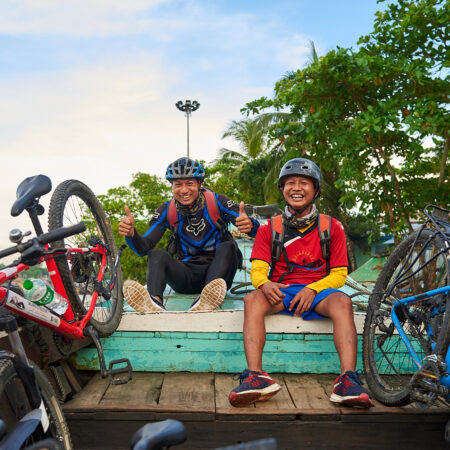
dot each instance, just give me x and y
(301, 282)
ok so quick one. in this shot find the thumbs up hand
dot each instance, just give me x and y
(126, 224)
(243, 222)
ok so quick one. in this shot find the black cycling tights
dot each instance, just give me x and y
(189, 278)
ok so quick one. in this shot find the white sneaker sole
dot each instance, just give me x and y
(138, 297)
(362, 400)
(211, 296)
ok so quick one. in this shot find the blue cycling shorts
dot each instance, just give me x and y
(290, 293)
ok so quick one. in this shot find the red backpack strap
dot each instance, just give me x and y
(172, 215)
(277, 245)
(277, 224)
(324, 227)
(211, 204)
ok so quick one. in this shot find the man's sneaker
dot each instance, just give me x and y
(348, 390)
(211, 296)
(254, 387)
(139, 299)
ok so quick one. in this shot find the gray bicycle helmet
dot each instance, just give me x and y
(185, 168)
(303, 167)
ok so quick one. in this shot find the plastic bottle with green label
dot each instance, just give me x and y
(40, 293)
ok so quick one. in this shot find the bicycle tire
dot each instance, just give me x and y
(14, 405)
(382, 348)
(73, 202)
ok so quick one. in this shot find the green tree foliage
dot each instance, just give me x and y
(362, 115)
(415, 34)
(145, 193)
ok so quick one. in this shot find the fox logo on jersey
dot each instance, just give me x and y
(196, 227)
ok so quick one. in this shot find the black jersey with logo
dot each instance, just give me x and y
(198, 237)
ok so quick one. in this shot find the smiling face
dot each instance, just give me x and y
(186, 190)
(298, 192)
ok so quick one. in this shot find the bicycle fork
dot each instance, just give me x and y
(112, 372)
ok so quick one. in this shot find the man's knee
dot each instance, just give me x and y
(256, 300)
(340, 304)
(227, 248)
(157, 257)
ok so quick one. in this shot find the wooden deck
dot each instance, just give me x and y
(103, 416)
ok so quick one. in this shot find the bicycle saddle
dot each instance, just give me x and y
(159, 434)
(28, 191)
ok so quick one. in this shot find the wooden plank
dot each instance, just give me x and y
(108, 434)
(308, 393)
(228, 321)
(193, 390)
(170, 360)
(71, 376)
(90, 396)
(143, 389)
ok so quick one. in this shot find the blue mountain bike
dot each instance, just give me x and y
(406, 332)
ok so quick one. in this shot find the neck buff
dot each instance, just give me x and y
(192, 209)
(300, 222)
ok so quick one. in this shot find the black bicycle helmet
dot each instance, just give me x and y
(303, 167)
(185, 168)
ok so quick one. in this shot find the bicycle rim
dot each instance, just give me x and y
(388, 365)
(73, 202)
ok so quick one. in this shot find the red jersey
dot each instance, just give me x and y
(303, 251)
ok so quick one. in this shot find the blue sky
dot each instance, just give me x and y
(92, 83)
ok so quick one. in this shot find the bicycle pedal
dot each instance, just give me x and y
(127, 369)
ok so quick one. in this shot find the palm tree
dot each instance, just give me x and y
(251, 136)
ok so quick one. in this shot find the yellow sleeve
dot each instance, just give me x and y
(259, 272)
(335, 280)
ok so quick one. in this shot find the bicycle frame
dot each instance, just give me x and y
(65, 325)
(401, 331)
(442, 230)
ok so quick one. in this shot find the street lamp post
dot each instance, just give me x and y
(188, 107)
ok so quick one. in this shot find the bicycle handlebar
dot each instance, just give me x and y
(46, 238)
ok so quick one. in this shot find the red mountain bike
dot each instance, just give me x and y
(82, 261)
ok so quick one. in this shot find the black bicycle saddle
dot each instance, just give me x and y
(158, 434)
(28, 191)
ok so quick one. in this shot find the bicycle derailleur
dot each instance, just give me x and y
(425, 385)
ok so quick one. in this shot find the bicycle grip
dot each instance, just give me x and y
(8, 251)
(61, 233)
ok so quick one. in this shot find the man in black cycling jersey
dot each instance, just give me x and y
(203, 257)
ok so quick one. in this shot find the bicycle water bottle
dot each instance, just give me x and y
(40, 293)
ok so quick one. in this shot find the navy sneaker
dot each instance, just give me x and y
(254, 387)
(348, 390)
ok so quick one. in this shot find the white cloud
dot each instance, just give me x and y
(76, 17)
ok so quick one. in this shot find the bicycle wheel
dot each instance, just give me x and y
(73, 202)
(15, 404)
(388, 365)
